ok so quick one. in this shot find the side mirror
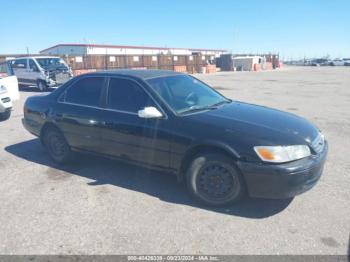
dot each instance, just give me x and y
(149, 112)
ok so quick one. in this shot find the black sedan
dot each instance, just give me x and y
(173, 122)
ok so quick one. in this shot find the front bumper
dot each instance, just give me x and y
(52, 83)
(57, 79)
(283, 180)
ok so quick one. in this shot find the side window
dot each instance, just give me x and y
(86, 91)
(20, 63)
(126, 95)
(33, 66)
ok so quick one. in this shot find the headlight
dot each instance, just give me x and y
(3, 89)
(280, 154)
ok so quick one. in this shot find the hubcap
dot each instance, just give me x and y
(56, 145)
(216, 182)
(41, 86)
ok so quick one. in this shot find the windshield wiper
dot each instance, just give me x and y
(195, 109)
(201, 108)
(220, 103)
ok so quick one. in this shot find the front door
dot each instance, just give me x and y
(128, 136)
(33, 72)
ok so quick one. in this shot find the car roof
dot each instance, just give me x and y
(142, 74)
(28, 57)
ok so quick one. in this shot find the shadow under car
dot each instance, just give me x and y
(163, 186)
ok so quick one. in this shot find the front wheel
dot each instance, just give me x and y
(213, 180)
(56, 145)
(42, 86)
(5, 115)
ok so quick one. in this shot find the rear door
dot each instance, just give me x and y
(128, 136)
(78, 113)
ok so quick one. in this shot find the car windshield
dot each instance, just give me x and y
(51, 63)
(184, 94)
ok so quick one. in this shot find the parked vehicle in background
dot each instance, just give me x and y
(176, 123)
(346, 61)
(8, 90)
(41, 71)
(337, 62)
(320, 62)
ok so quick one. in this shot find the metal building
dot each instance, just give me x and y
(93, 49)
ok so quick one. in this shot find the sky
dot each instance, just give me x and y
(292, 28)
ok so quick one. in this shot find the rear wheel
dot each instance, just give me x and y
(56, 145)
(42, 86)
(5, 115)
(213, 180)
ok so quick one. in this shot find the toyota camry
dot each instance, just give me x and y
(222, 149)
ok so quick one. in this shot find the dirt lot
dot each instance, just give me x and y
(99, 206)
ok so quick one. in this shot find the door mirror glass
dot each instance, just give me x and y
(149, 112)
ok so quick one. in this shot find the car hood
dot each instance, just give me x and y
(266, 125)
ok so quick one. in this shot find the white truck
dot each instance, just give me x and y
(41, 71)
(8, 90)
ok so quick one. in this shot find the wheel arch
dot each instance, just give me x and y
(40, 80)
(45, 127)
(204, 147)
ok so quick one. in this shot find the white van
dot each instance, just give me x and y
(41, 71)
(8, 90)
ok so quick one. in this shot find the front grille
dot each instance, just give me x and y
(61, 78)
(5, 99)
(318, 144)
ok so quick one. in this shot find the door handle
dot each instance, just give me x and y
(55, 116)
(109, 123)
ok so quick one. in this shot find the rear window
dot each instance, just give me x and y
(86, 91)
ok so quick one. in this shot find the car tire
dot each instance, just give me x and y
(41, 85)
(5, 115)
(213, 180)
(56, 145)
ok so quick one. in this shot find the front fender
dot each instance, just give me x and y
(216, 144)
(201, 146)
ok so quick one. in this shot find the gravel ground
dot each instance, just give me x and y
(99, 206)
